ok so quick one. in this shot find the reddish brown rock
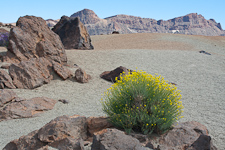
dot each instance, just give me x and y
(73, 33)
(63, 127)
(62, 71)
(32, 38)
(110, 139)
(22, 108)
(6, 96)
(184, 135)
(96, 124)
(31, 74)
(28, 142)
(81, 76)
(68, 143)
(112, 75)
(6, 80)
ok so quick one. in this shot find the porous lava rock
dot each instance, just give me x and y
(73, 33)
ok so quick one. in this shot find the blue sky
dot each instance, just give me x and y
(11, 10)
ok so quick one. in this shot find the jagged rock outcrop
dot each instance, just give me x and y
(32, 38)
(192, 23)
(73, 33)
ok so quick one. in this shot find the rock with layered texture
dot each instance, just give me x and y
(112, 75)
(186, 135)
(22, 108)
(32, 38)
(62, 71)
(6, 80)
(63, 127)
(6, 96)
(31, 74)
(112, 139)
(73, 33)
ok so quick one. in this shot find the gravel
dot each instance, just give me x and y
(200, 77)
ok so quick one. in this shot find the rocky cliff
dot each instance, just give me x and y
(193, 23)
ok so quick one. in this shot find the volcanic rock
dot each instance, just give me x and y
(22, 108)
(183, 136)
(96, 124)
(110, 139)
(73, 33)
(32, 38)
(6, 96)
(5, 80)
(72, 132)
(112, 75)
(62, 71)
(65, 130)
(27, 142)
(31, 74)
(81, 76)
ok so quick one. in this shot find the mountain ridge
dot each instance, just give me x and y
(193, 23)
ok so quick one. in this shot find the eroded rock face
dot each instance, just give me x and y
(194, 24)
(5, 80)
(32, 38)
(112, 75)
(31, 74)
(22, 108)
(73, 33)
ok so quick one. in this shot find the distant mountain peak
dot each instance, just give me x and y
(86, 16)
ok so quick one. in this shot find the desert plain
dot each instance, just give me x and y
(200, 77)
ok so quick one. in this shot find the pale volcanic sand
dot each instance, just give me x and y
(200, 77)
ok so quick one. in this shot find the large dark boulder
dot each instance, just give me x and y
(32, 38)
(73, 33)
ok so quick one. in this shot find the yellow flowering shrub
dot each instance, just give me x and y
(142, 102)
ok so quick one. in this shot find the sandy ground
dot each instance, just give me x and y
(200, 77)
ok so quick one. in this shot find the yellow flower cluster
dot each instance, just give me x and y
(139, 95)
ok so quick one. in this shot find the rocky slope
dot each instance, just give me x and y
(194, 24)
